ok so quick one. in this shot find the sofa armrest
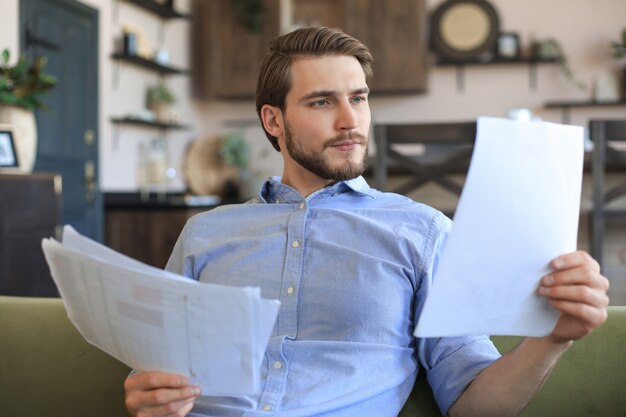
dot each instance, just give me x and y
(47, 368)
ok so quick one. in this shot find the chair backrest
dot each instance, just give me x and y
(47, 368)
(454, 140)
(607, 155)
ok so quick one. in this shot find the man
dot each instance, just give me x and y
(351, 267)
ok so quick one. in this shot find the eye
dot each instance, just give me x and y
(319, 103)
(359, 99)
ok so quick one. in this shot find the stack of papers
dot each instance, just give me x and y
(519, 210)
(153, 320)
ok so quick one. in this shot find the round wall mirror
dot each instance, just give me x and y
(464, 30)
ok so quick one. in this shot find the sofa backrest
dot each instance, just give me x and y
(47, 368)
(588, 381)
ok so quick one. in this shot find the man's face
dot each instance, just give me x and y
(326, 119)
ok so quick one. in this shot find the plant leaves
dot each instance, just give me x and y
(23, 83)
(5, 56)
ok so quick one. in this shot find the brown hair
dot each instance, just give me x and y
(275, 76)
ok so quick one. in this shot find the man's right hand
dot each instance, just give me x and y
(159, 394)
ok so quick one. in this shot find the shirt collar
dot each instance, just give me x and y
(274, 191)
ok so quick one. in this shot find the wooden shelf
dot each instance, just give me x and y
(530, 62)
(497, 61)
(567, 105)
(147, 123)
(147, 64)
(163, 11)
(583, 103)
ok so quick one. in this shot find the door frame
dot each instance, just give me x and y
(92, 14)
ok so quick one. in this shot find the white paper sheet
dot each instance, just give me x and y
(151, 319)
(518, 210)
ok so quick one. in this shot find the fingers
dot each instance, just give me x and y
(577, 268)
(573, 260)
(152, 394)
(152, 380)
(576, 288)
(163, 396)
(593, 317)
(576, 293)
(173, 409)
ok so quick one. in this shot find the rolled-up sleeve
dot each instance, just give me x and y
(451, 363)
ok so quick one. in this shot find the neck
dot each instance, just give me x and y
(306, 183)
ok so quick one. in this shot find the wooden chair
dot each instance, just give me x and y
(604, 134)
(458, 137)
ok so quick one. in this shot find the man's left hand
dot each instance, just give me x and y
(576, 288)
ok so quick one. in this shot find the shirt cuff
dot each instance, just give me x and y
(449, 378)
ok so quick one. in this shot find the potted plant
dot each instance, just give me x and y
(619, 48)
(21, 87)
(619, 52)
(551, 49)
(235, 152)
(250, 13)
(159, 98)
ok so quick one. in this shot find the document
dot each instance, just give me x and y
(518, 210)
(154, 320)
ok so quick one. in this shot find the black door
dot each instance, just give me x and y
(66, 32)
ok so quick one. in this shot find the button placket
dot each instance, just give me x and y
(292, 273)
(274, 388)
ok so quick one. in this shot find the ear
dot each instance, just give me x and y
(272, 118)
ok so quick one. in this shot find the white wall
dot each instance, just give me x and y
(584, 28)
(118, 147)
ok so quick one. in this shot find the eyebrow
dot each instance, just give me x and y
(332, 93)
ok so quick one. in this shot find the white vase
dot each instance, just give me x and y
(24, 127)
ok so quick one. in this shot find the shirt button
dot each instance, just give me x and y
(295, 244)
(278, 365)
(301, 205)
(267, 408)
(290, 290)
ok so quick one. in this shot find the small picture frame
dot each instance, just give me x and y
(8, 154)
(508, 47)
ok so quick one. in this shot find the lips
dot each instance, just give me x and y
(347, 145)
(346, 141)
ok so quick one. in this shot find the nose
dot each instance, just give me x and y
(347, 118)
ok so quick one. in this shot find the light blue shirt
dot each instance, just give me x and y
(351, 267)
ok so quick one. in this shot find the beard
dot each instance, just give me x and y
(320, 163)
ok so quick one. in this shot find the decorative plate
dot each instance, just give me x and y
(203, 167)
(464, 30)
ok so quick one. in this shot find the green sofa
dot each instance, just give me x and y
(47, 369)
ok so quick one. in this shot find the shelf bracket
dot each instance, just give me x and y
(116, 138)
(566, 115)
(460, 78)
(532, 76)
(116, 76)
(161, 35)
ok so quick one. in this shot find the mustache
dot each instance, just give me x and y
(346, 136)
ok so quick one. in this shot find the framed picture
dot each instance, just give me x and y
(508, 46)
(8, 154)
